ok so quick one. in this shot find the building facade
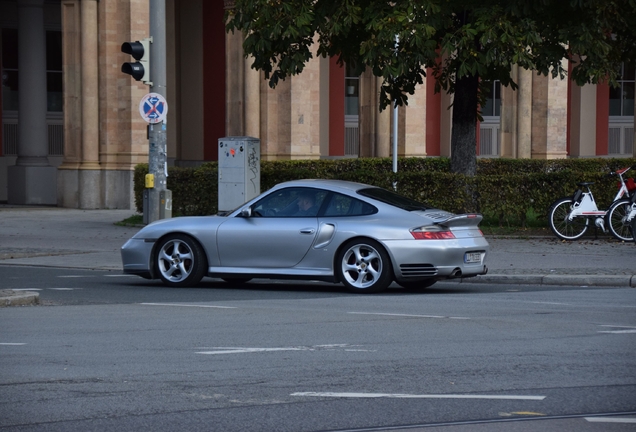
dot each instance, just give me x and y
(78, 146)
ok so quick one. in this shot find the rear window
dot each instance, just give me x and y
(393, 199)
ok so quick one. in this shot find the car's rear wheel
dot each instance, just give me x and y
(180, 261)
(417, 285)
(363, 266)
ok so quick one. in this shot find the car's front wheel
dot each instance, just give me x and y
(180, 261)
(363, 266)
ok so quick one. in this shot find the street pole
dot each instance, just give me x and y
(159, 197)
(395, 125)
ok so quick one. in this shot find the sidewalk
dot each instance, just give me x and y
(88, 239)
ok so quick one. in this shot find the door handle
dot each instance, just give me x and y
(307, 231)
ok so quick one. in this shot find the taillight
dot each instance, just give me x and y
(424, 234)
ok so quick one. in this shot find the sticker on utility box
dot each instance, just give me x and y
(153, 108)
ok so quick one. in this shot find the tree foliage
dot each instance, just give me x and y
(465, 43)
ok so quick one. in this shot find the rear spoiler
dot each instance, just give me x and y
(469, 219)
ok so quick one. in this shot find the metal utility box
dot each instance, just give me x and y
(239, 171)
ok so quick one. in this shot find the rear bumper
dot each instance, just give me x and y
(438, 259)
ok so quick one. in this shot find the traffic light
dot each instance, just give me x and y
(140, 50)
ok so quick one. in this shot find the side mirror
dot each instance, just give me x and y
(246, 212)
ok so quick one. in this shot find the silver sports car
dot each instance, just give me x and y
(362, 236)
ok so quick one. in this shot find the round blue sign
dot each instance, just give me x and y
(153, 108)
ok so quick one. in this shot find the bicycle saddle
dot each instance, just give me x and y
(583, 184)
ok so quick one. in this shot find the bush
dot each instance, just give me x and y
(503, 188)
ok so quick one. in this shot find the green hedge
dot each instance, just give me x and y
(502, 188)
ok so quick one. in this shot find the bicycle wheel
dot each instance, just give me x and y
(616, 220)
(561, 225)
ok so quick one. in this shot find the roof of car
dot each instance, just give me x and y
(326, 183)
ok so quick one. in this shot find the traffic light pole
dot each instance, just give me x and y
(159, 197)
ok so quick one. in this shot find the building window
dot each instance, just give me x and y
(9, 69)
(622, 97)
(54, 96)
(492, 108)
(489, 137)
(352, 84)
(621, 114)
(10, 83)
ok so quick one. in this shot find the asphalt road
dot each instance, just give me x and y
(111, 352)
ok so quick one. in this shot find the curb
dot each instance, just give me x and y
(18, 298)
(552, 279)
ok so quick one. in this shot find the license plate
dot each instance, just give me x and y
(472, 257)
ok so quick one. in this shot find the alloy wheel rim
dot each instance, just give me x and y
(175, 260)
(361, 266)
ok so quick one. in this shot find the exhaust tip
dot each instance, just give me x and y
(456, 273)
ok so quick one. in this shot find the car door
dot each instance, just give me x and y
(273, 237)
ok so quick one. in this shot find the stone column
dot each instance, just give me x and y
(252, 100)
(509, 118)
(583, 121)
(305, 111)
(90, 173)
(524, 111)
(32, 180)
(234, 84)
(549, 117)
(383, 128)
(415, 123)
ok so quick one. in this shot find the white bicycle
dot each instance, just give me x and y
(570, 217)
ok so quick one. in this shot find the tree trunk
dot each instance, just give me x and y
(464, 133)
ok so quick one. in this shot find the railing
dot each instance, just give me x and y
(55, 129)
(352, 136)
(489, 139)
(621, 138)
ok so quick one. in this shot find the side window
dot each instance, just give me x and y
(290, 202)
(342, 205)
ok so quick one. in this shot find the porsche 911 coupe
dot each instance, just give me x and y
(362, 236)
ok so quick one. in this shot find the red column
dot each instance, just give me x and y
(213, 78)
(336, 108)
(433, 116)
(602, 119)
(569, 109)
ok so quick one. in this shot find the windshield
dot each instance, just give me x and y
(393, 199)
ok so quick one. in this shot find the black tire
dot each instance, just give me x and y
(180, 261)
(562, 227)
(417, 285)
(616, 220)
(363, 266)
(634, 228)
(237, 280)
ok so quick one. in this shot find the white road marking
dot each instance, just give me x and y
(121, 275)
(551, 303)
(222, 350)
(187, 305)
(630, 329)
(618, 331)
(408, 315)
(617, 326)
(416, 396)
(243, 350)
(11, 344)
(25, 289)
(610, 420)
(63, 289)
(74, 276)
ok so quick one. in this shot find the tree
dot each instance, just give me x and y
(468, 44)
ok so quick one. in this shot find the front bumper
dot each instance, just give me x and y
(135, 257)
